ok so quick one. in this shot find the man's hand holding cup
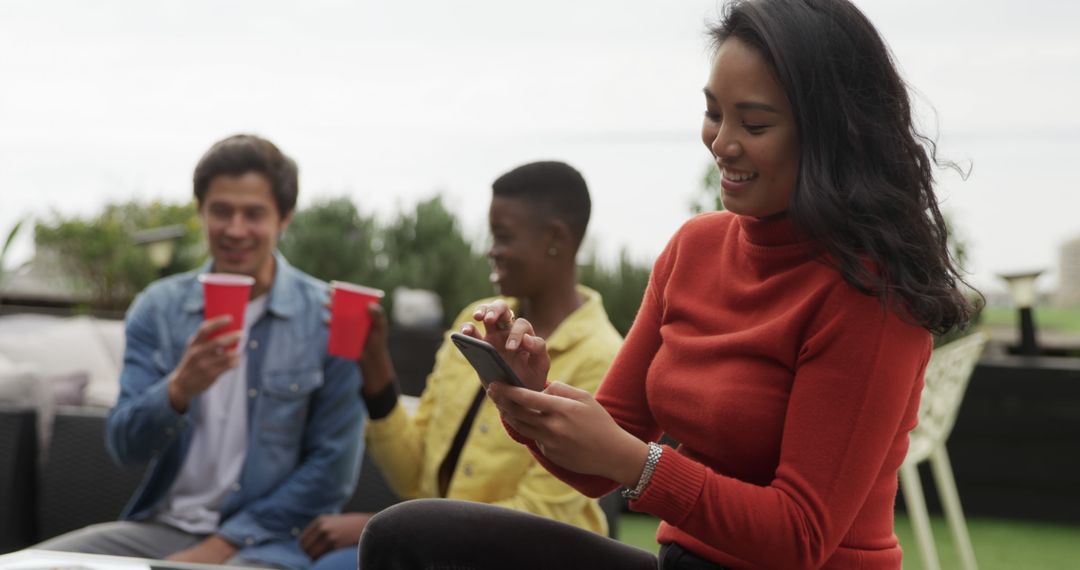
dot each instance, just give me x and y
(207, 356)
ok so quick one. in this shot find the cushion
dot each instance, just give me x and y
(22, 385)
(111, 333)
(68, 389)
(64, 389)
(67, 346)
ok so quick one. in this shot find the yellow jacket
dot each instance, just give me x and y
(492, 467)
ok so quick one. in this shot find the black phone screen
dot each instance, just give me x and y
(487, 362)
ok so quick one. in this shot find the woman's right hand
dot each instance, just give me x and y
(525, 352)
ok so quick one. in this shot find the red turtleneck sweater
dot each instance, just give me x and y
(791, 394)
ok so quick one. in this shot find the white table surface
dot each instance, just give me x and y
(50, 560)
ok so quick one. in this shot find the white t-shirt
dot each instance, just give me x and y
(218, 446)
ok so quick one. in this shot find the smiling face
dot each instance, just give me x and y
(243, 226)
(520, 262)
(750, 131)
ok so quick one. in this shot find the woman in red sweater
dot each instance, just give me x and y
(781, 342)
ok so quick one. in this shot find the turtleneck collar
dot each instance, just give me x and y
(773, 231)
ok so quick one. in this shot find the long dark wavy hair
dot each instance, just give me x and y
(865, 186)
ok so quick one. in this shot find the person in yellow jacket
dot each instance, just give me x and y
(454, 445)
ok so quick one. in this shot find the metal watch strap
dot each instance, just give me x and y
(651, 461)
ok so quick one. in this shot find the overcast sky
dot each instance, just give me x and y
(392, 102)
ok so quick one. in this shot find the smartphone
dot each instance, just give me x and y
(486, 360)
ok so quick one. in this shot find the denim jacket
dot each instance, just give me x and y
(305, 416)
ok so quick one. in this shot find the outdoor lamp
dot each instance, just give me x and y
(1022, 288)
(160, 244)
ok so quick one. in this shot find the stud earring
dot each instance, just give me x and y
(553, 251)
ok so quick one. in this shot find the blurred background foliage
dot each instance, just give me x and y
(101, 257)
(420, 248)
(622, 287)
(12, 233)
(332, 240)
(708, 197)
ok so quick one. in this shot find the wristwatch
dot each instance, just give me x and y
(651, 461)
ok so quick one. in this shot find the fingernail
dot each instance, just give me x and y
(512, 344)
(490, 314)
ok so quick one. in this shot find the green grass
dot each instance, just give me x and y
(999, 544)
(1064, 319)
(639, 530)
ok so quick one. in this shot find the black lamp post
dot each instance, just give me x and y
(160, 244)
(1022, 288)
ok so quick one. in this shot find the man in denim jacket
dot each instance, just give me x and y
(249, 435)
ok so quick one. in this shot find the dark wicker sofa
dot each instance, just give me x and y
(79, 484)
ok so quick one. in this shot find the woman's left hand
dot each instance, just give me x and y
(572, 430)
(514, 339)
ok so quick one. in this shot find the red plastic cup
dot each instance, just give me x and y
(226, 294)
(349, 318)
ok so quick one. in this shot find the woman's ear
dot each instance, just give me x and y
(560, 239)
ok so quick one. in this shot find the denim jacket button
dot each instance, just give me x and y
(295, 531)
(252, 393)
(236, 487)
(249, 541)
(294, 387)
(253, 345)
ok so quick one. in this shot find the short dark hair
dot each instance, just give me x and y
(240, 154)
(556, 187)
(865, 188)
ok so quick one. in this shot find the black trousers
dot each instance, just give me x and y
(440, 534)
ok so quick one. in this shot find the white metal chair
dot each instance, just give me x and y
(947, 377)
